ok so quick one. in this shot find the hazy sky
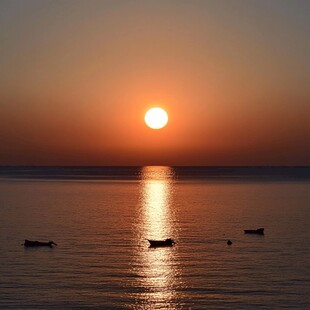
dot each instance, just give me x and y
(76, 78)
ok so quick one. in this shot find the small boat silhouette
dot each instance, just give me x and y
(29, 243)
(259, 231)
(161, 243)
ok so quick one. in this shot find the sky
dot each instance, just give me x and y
(77, 77)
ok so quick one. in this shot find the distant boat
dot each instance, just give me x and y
(259, 231)
(161, 243)
(29, 243)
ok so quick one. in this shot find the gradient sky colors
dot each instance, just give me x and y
(76, 78)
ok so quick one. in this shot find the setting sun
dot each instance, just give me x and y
(156, 118)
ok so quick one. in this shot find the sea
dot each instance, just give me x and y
(102, 217)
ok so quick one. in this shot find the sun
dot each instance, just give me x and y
(156, 118)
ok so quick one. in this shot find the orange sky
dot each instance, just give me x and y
(77, 77)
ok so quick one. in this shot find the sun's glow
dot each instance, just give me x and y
(156, 118)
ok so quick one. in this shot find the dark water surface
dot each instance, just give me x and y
(101, 217)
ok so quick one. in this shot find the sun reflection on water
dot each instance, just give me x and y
(156, 202)
(157, 267)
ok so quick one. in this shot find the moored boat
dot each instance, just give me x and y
(259, 231)
(29, 243)
(161, 243)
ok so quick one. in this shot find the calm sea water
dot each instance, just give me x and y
(100, 217)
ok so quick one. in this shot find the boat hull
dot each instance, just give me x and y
(161, 243)
(259, 231)
(29, 243)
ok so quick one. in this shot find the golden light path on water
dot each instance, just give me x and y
(158, 266)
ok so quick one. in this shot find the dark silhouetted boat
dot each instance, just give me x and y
(161, 243)
(259, 231)
(29, 243)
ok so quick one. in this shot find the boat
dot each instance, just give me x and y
(29, 243)
(258, 231)
(161, 243)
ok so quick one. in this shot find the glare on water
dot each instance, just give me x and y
(158, 266)
(156, 201)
